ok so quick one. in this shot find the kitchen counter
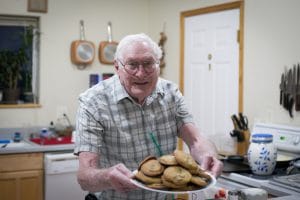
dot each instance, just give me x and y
(31, 147)
(27, 145)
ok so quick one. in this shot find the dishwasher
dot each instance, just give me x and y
(60, 177)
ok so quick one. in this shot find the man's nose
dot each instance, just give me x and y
(140, 70)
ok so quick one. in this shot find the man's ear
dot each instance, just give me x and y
(116, 65)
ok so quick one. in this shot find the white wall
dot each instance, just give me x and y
(270, 43)
(60, 81)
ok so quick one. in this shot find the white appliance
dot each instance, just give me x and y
(280, 183)
(60, 177)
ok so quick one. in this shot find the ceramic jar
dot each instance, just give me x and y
(262, 154)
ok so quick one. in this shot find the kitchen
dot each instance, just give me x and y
(270, 45)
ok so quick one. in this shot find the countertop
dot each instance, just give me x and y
(33, 147)
(26, 145)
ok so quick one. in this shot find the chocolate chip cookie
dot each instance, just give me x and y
(152, 167)
(177, 175)
(168, 160)
(185, 160)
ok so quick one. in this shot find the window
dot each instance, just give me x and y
(19, 60)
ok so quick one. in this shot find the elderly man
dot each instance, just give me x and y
(117, 116)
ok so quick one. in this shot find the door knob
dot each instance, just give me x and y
(209, 56)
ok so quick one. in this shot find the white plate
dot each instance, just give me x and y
(143, 186)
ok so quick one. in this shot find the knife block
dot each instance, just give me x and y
(242, 146)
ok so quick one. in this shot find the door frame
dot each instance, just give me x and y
(217, 8)
(240, 37)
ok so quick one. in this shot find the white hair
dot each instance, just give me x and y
(130, 39)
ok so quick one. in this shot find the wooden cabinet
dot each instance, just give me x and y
(21, 176)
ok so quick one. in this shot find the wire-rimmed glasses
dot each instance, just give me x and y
(132, 67)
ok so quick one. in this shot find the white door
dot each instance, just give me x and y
(211, 73)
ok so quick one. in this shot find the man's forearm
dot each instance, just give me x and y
(197, 143)
(90, 176)
(206, 148)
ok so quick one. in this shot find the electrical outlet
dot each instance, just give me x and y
(60, 111)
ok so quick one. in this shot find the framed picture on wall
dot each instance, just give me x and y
(37, 6)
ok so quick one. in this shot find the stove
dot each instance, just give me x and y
(291, 181)
(281, 182)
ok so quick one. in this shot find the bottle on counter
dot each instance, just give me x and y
(17, 137)
(52, 130)
(44, 135)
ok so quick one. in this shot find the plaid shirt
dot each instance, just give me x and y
(112, 124)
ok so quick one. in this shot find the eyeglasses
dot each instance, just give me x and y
(133, 67)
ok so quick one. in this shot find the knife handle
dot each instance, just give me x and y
(297, 102)
(243, 121)
(290, 107)
(236, 122)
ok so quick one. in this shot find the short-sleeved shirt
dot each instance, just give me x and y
(111, 124)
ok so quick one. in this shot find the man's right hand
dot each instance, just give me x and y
(119, 178)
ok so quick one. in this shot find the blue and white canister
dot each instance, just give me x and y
(262, 154)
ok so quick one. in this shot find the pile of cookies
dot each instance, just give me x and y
(177, 171)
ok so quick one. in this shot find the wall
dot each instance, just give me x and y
(61, 82)
(270, 43)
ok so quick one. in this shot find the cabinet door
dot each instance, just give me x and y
(211, 73)
(22, 185)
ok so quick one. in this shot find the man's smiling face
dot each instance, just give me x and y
(141, 84)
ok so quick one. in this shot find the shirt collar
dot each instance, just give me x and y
(120, 92)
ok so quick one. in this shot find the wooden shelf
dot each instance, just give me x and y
(25, 105)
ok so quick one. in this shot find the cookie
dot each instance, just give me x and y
(145, 160)
(204, 175)
(197, 171)
(152, 167)
(177, 175)
(185, 160)
(168, 160)
(170, 184)
(197, 180)
(147, 179)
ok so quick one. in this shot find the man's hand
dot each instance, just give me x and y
(202, 149)
(94, 179)
(212, 165)
(119, 178)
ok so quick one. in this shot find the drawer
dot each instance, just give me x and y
(20, 162)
